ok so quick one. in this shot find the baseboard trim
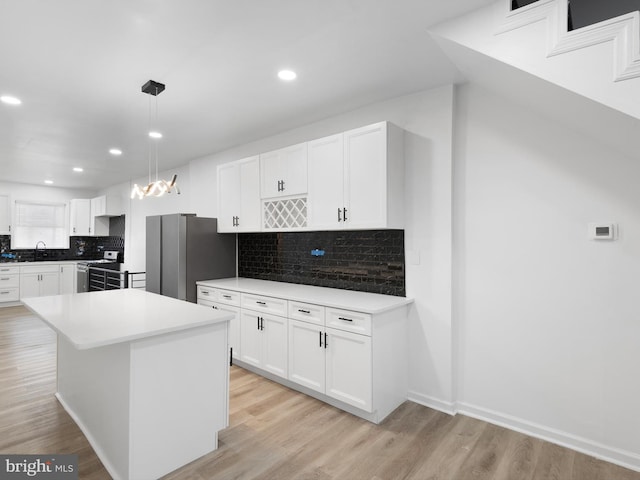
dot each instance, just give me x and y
(616, 456)
(432, 402)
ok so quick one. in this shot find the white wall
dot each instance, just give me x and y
(548, 319)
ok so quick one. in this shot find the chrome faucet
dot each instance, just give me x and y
(44, 245)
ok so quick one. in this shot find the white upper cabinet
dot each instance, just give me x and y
(353, 180)
(356, 179)
(102, 208)
(90, 216)
(283, 172)
(5, 215)
(106, 206)
(239, 196)
(326, 182)
(80, 212)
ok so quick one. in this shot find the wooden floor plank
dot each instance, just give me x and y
(279, 434)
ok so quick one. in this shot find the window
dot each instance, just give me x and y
(40, 222)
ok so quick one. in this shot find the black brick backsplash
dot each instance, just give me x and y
(368, 260)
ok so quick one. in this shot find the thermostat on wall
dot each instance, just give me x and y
(602, 231)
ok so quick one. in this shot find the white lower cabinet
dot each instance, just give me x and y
(307, 355)
(333, 362)
(354, 360)
(9, 284)
(234, 327)
(348, 368)
(68, 278)
(225, 301)
(39, 281)
(263, 341)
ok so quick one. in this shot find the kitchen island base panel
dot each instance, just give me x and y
(142, 405)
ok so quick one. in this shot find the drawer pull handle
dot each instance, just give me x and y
(5, 278)
(5, 293)
(304, 311)
(204, 292)
(345, 319)
(260, 303)
(228, 297)
(214, 307)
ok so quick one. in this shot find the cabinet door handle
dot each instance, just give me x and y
(74, 229)
(325, 340)
(237, 221)
(339, 214)
(89, 229)
(282, 182)
(345, 319)
(214, 307)
(304, 311)
(258, 319)
(344, 214)
(320, 339)
(261, 323)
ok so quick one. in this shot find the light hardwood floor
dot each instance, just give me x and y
(277, 433)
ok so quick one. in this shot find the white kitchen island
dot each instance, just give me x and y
(145, 377)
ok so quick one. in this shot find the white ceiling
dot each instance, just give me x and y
(78, 66)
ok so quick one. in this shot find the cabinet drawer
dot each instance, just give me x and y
(9, 270)
(207, 293)
(9, 294)
(40, 269)
(349, 321)
(205, 303)
(306, 312)
(7, 280)
(228, 297)
(277, 306)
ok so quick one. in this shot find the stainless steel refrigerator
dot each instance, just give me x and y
(183, 249)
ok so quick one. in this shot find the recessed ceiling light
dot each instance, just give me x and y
(287, 75)
(49, 182)
(9, 100)
(115, 151)
(78, 169)
(155, 134)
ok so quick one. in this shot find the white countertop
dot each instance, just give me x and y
(96, 319)
(331, 297)
(46, 262)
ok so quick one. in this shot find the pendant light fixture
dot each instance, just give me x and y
(158, 187)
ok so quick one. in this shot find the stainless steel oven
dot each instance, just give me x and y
(110, 261)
